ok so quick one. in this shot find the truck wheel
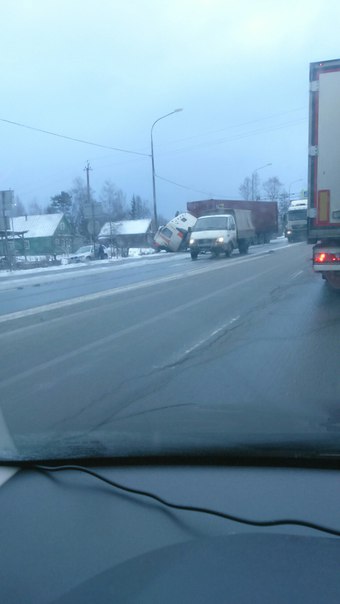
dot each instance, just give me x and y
(332, 280)
(243, 247)
(193, 255)
(229, 251)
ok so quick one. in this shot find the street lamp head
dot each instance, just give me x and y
(177, 110)
(261, 167)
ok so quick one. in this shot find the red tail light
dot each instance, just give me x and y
(326, 258)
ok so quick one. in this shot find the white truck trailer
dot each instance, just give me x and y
(323, 221)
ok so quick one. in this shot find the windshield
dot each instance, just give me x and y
(118, 117)
(297, 215)
(211, 223)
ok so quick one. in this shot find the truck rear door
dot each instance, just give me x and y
(324, 151)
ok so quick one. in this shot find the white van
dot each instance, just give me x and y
(174, 235)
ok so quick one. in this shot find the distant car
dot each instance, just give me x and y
(89, 252)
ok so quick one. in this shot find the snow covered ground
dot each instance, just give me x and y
(134, 254)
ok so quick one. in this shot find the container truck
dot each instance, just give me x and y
(264, 214)
(296, 220)
(173, 237)
(323, 215)
(222, 233)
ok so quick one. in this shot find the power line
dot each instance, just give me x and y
(70, 138)
(234, 126)
(232, 138)
(177, 184)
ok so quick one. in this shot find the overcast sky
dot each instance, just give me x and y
(104, 71)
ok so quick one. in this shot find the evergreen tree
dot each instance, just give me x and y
(61, 203)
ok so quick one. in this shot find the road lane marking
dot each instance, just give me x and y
(133, 286)
(295, 275)
(211, 335)
(99, 343)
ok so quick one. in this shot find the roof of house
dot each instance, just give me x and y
(126, 227)
(37, 225)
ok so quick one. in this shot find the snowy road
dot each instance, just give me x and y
(24, 291)
(256, 330)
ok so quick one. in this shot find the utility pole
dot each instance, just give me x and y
(89, 201)
(6, 205)
(4, 219)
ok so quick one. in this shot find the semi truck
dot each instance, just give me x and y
(264, 214)
(173, 237)
(323, 214)
(222, 233)
(296, 220)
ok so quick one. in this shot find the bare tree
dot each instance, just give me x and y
(283, 202)
(250, 188)
(114, 201)
(245, 188)
(272, 187)
(79, 199)
(35, 208)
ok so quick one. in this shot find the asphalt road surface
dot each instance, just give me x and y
(93, 346)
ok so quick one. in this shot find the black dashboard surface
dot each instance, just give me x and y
(68, 537)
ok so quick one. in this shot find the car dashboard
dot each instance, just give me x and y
(68, 537)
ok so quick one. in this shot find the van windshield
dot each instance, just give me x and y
(211, 223)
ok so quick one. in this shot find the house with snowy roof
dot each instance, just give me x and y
(39, 235)
(127, 233)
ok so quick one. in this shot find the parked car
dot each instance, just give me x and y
(89, 252)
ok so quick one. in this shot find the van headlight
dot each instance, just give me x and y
(220, 240)
(191, 241)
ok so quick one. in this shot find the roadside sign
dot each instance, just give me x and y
(7, 200)
(93, 209)
(93, 227)
(6, 207)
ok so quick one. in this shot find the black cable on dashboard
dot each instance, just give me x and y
(190, 508)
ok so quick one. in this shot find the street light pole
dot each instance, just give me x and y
(87, 170)
(253, 179)
(155, 218)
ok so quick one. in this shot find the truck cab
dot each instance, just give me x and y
(296, 220)
(222, 233)
(215, 234)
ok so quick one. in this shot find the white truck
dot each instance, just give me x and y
(323, 222)
(173, 236)
(222, 233)
(296, 220)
